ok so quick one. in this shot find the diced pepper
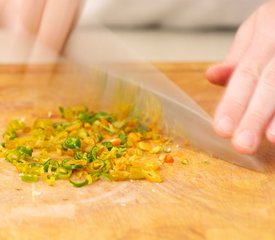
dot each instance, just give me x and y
(84, 147)
(79, 183)
(71, 143)
(29, 178)
(169, 158)
(115, 141)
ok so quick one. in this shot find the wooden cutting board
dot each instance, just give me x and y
(206, 199)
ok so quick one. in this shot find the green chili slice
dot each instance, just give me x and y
(71, 143)
(46, 165)
(92, 155)
(98, 137)
(79, 183)
(24, 150)
(109, 129)
(108, 145)
(84, 117)
(59, 126)
(123, 138)
(12, 134)
(99, 115)
(13, 155)
(99, 164)
(63, 173)
(107, 176)
(29, 178)
(35, 168)
(65, 163)
(80, 155)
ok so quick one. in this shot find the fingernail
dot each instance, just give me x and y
(246, 139)
(225, 125)
(271, 133)
(211, 73)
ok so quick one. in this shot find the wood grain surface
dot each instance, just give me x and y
(205, 199)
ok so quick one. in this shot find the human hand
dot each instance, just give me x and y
(246, 112)
(49, 21)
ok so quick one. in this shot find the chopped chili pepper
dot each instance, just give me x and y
(116, 141)
(71, 143)
(83, 147)
(29, 178)
(168, 158)
(79, 183)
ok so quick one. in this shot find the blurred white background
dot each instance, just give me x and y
(172, 30)
(163, 45)
(161, 30)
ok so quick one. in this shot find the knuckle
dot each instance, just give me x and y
(249, 73)
(236, 103)
(256, 118)
(269, 79)
(233, 105)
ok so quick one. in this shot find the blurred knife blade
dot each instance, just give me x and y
(100, 48)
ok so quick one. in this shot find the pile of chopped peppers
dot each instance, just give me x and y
(83, 146)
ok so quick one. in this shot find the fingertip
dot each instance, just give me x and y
(270, 135)
(219, 73)
(243, 150)
(270, 132)
(212, 73)
(224, 126)
(246, 141)
(271, 138)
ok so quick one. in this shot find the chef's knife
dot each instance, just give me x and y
(99, 48)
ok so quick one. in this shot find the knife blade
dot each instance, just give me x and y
(100, 49)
